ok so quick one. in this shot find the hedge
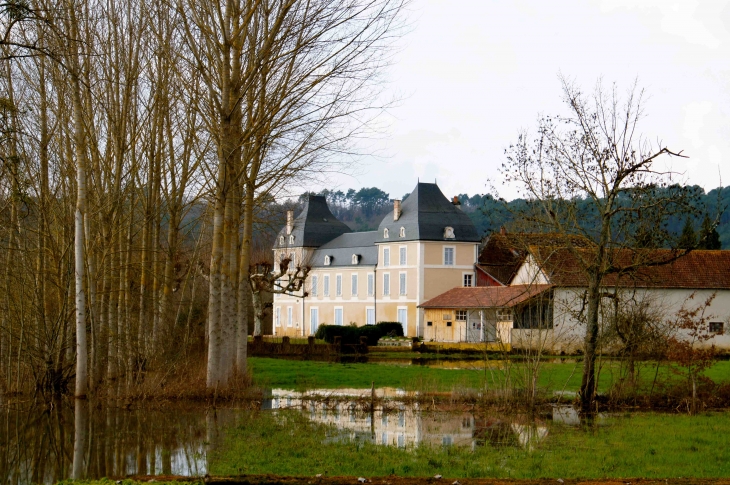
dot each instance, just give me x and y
(351, 334)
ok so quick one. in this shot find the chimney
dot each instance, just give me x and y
(456, 202)
(396, 209)
(289, 222)
(503, 230)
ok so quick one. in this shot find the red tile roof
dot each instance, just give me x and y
(485, 296)
(504, 253)
(640, 268)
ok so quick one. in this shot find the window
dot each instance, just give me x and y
(402, 284)
(370, 316)
(468, 280)
(327, 260)
(386, 256)
(281, 240)
(289, 317)
(313, 320)
(429, 324)
(354, 285)
(355, 259)
(313, 291)
(402, 232)
(386, 284)
(371, 284)
(449, 233)
(385, 233)
(338, 316)
(326, 285)
(292, 259)
(291, 239)
(277, 317)
(461, 315)
(402, 258)
(537, 314)
(717, 327)
(403, 318)
(448, 256)
(338, 285)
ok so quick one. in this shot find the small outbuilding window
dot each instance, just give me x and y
(717, 327)
(461, 315)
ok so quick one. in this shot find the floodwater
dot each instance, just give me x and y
(48, 443)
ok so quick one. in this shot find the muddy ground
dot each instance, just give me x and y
(392, 480)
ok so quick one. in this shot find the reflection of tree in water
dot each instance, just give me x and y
(513, 431)
(37, 443)
(494, 431)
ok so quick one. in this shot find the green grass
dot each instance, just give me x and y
(553, 376)
(643, 445)
(307, 374)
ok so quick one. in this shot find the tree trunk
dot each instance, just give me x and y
(588, 384)
(82, 355)
(244, 284)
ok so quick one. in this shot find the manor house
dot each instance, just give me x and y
(421, 249)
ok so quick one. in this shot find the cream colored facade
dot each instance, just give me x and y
(398, 287)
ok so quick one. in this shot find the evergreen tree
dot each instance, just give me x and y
(709, 237)
(688, 238)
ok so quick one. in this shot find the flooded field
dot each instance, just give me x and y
(337, 432)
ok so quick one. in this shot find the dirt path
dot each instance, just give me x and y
(392, 480)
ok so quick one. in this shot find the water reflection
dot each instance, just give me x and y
(48, 443)
(404, 424)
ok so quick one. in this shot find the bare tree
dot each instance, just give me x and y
(278, 279)
(289, 84)
(591, 173)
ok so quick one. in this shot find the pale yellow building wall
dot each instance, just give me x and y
(426, 277)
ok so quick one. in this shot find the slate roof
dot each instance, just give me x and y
(698, 269)
(504, 253)
(424, 215)
(485, 296)
(343, 247)
(315, 225)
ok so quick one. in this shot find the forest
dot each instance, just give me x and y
(363, 210)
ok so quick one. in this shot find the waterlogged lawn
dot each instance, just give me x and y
(307, 374)
(642, 445)
(553, 376)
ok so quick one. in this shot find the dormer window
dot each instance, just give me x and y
(402, 232)
(385, 233)
(281, 240)
(449, 233)
(355, 258)
(291, 239)
(327, 260)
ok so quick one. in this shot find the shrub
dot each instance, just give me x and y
(391, 329)
(351, 334)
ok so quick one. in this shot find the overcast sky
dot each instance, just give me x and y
(474, 73)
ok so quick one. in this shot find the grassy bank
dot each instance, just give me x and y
(643, 445)
(553, 376)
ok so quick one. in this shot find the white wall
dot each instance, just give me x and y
(567, 333)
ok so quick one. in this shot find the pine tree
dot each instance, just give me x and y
(709, 237)
(688, 238)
